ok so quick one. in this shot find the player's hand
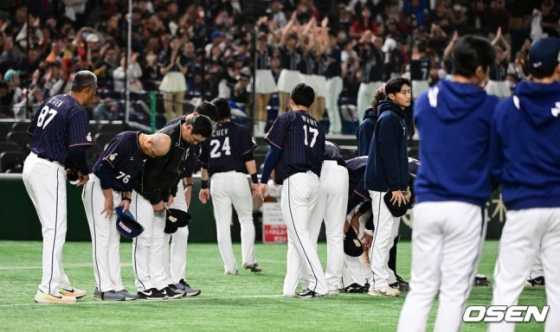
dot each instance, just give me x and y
(254, 189)
(355, 222)
(346, 226)
(263, 190)
(170, 200)
(159, 207)
(188, 194)
(398, 198)
(107, 208)
(83, 179)
(125, 205)
(408, 195)
(204, 195)
(366, 240)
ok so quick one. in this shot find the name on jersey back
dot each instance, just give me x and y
(56, 102)
(309, 120)
(220, 132)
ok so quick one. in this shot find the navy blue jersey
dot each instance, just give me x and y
(60, 123)
(306, 64)
(332, 152)
(372, 61)
(320, 65)
(289, 59)
(262, 60)
(498, 72)
(302, 142)
(420, 69)
(124, 156)
(356, 169)
(225, 150)
(334, 64)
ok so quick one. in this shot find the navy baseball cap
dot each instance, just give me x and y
(545, 54)
(127, 224)
(352, 246)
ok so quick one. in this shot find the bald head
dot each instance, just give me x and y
(155, 145)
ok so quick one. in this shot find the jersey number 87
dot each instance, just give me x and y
(41, 118)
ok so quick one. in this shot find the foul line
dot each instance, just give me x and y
(64, 265)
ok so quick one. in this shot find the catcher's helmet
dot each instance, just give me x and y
(127, 224)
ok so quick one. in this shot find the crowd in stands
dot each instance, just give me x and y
(192, 50)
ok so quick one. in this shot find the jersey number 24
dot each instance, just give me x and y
(216, 153)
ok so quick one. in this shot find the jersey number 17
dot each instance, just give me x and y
(313, 131)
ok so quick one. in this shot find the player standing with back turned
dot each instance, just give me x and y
(451, 189)
(297, 145)
(526, 158)
(60, 132)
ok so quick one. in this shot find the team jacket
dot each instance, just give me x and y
(160, 176)
(525, 146)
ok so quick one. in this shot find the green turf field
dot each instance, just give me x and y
(245, 302)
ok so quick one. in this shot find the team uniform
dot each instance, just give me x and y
(373, 60)
(386, 170)
(333, 75)
(525, 158)
(306, 66)
(265, 83)
(223, 155)
(331, 207)
(302, 143)
(116, 169)
(497, 84)
(60, 124)
(319, 69)
(419, 75)
(451, 189)
(289, 77)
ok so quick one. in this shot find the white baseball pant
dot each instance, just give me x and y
(384, 233)
(175, 245)
(357, 270)
(447, 241)
(299, 197)
(334, 88)
(331, 207)
(105, 237)
(226, 189)
(147, 247)
(525, 233)
(365, 96)
(45, 183)
(537, 269)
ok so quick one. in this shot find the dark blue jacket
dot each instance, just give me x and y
(387, 167)
(453, 121)
(525, 146)
(365, 131)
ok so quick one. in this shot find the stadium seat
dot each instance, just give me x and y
(9, 146)
(20, 137)
(12, 161)
(20, 126)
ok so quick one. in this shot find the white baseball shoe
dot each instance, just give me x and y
(53, 299)
(384, 291)
(72, 292)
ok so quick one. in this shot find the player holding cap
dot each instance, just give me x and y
(297, 145)
(110, 185)
(525, 158)
(155, 188)
(175, 259)
(226, 157)
(60, 131)
(451, 189)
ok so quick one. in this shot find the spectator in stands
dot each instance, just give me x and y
(173, 66)
(549, 21)
(11, 77)
(363, 24)
(499, 17)
(5, 101)
(52, 82)
(134, 73)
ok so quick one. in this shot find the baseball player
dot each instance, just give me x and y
(297, 145)
(525, 158)
(451, 189)
(175, 259)
(387, 170)
(331, 208)
(59, 131)
(110, 185)
(226, 157)
(155, 189)
(420, 68)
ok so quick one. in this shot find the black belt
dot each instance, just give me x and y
(47, 159)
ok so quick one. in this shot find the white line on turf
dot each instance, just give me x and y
(65, 265)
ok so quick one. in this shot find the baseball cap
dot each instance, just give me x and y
(9, 74)
(352, 246)
(215, 34)
(545, 54)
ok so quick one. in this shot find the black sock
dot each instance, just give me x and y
(393, 255)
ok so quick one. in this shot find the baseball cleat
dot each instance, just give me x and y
(255, 268)
(127, 295)
(173, 293)
(107, 296)
(152, 294)
(355, 288)
(188, 290)
(384, 291)
(72, 292)
(535, 282)
(308, 294)
(53, 299)
(403, 284)
(481, 280)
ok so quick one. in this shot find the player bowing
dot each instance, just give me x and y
(226, 157)
(60, 132)
(297, 145)
(110, 185)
